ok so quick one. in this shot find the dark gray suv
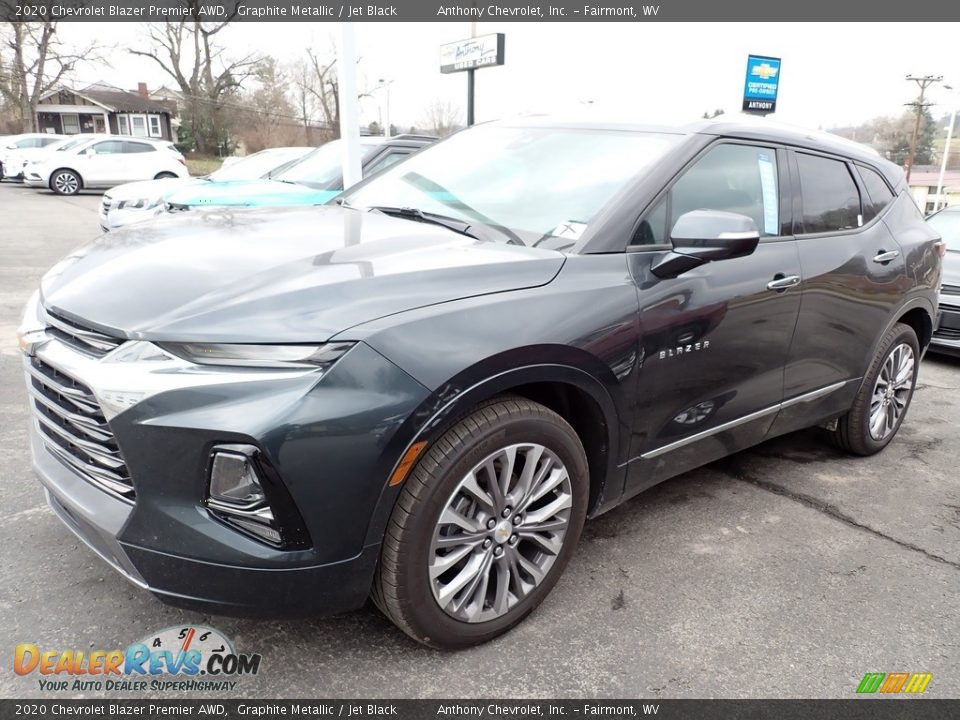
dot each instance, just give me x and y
(422, 392)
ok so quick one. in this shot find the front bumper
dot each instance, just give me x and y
(946, 337)
(332, 442)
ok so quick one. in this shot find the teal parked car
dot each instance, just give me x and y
(313, 180)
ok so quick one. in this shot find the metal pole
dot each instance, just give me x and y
(349, 107)
(470, 78)
(386, 130)
(943, 163)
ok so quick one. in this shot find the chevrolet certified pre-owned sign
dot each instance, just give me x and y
(761, 85)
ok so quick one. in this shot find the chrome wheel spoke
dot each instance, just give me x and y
(891, 392)
(500, 532)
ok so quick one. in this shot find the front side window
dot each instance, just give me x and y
(108, 147)
(831, 201)
(878, 191)
(532, 183)
(740, 179)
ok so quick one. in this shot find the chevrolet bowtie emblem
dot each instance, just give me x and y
(764, 71)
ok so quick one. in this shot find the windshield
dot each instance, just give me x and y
(320, 169)
(537, 183)
(256, 165)
(70, 144)
(947, 224)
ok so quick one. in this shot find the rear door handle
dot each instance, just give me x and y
(783, 282)
(885, 257)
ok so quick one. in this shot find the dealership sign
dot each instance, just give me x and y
(477, 52)
(761, 85)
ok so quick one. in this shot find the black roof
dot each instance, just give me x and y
(123, 101)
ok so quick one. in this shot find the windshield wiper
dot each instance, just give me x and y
(419, 215)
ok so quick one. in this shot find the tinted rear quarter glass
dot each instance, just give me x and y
(831, 200)
(878, 191)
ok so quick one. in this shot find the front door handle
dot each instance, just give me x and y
(885, 257)
(782, 282)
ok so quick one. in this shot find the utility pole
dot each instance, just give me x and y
(946, 150)
(923, 83)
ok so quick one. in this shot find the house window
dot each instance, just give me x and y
(155, 130)
(138, 125)
(71, 123)
(123, 127)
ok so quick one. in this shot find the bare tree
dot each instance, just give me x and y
(268, 118)
(440, 118)
(325, 88)
(190, 53)
(34, 61)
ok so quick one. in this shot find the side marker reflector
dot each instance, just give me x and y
(406, 462)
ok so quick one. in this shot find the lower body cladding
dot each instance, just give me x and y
(324, 449)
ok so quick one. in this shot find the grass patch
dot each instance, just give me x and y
(202, 165)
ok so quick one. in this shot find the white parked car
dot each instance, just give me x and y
(137, 201)
(105, 161)
(16, 160)
(15, 143)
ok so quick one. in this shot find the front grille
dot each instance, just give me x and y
(950, 289)
(947, 333)
(75, 430)
(84, 339)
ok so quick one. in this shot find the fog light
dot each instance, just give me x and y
(236, 494)
(234, 480)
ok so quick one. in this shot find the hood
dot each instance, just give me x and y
(278, 275)
(249, 193)
(149, 189)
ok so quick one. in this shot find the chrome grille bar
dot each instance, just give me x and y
(74, 429)
(83, 339)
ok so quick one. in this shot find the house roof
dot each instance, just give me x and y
(123, 101)
(114, 99)
(930, 179)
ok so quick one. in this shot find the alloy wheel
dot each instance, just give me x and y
(500, 532)
(891, 392)
(66, 183)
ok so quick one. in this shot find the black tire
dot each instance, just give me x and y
(853, 429)
(65, 182)
(164, 176)
(402, 586)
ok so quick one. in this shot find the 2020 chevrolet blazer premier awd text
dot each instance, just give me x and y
(421, 392)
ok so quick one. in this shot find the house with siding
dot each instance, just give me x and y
(106, 109)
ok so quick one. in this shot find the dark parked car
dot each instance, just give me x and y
(422, 391)
(946, 338)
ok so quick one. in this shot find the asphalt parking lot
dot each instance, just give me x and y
(786, 571)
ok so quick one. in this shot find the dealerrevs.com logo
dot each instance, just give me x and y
(177, 659)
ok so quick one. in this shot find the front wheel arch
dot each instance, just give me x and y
(436, 414)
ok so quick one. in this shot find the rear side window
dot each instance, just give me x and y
(879, 194)
(831, 201)
(136, 147)
(733, 178)
(49, 141)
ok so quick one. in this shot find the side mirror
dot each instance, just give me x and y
(702, 236)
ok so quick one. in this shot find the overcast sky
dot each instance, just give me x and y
(832, 74)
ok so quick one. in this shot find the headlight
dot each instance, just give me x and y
(264, 356)
(139, 204)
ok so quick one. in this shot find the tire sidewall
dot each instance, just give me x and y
(428, 620)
